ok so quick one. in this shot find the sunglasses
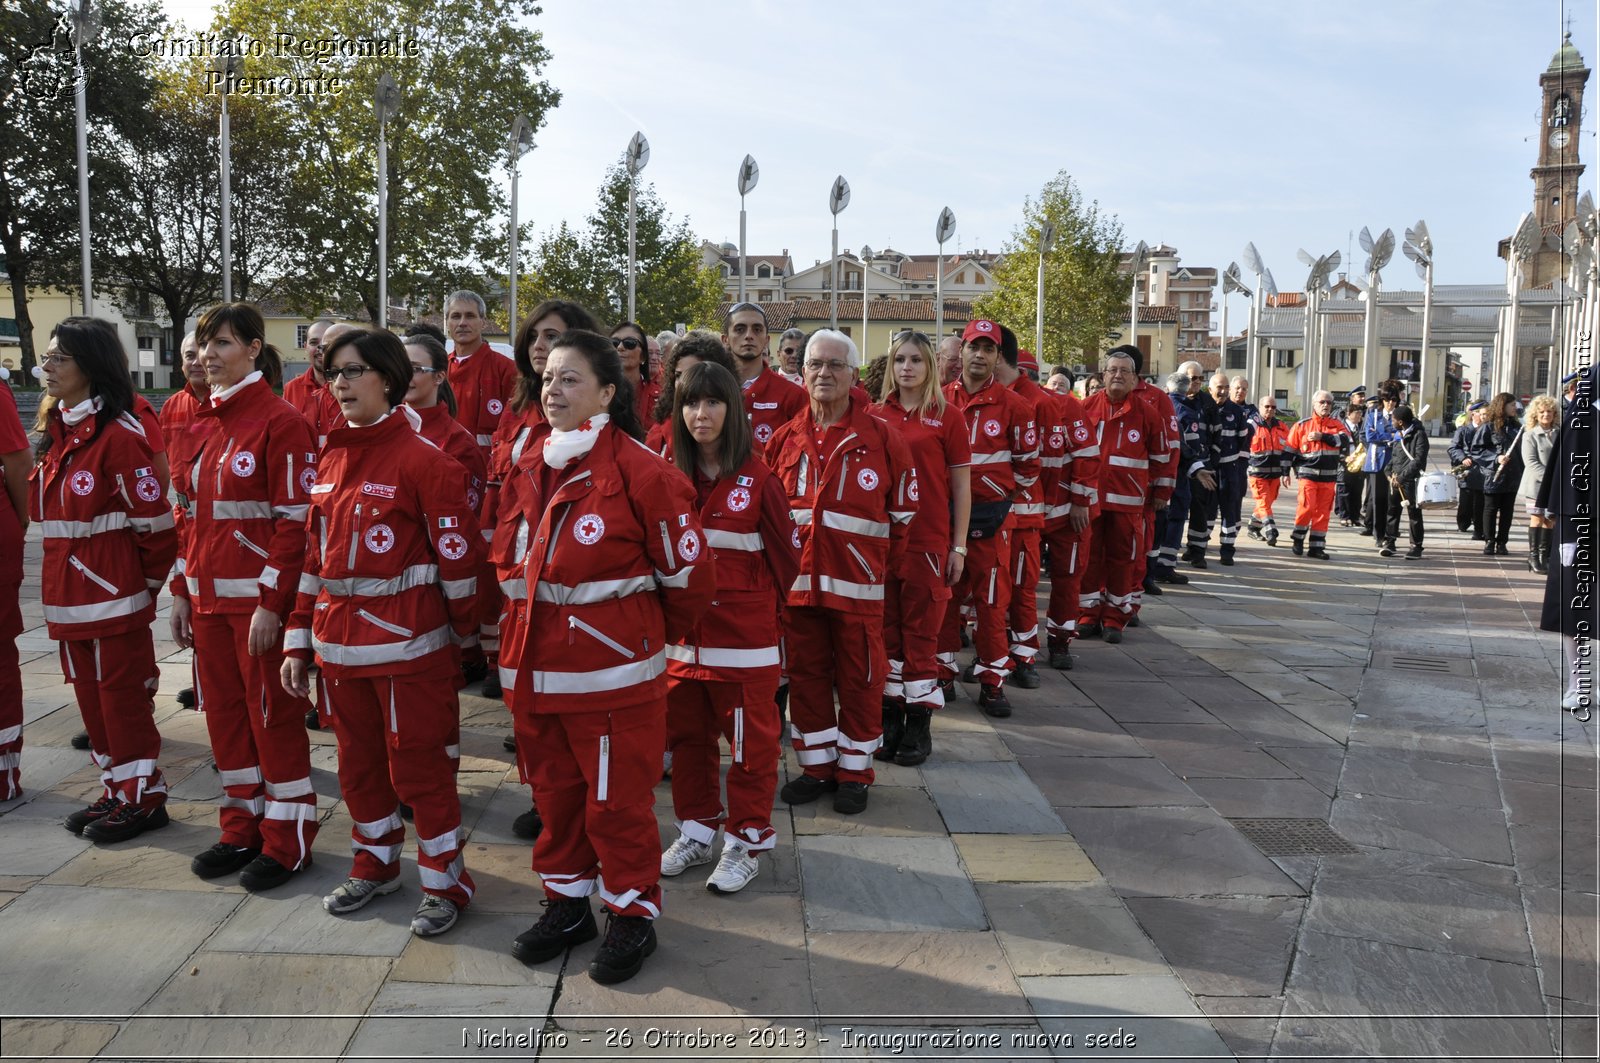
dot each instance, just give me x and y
(625, 343)
(910, 334)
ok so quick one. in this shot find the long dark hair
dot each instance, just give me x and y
(97, 351)
(572, 315)
(644, 346)
(382, 351)
(247, 325)
(1502, 411)
(439, 358)
(708, 380)
(706, 346)
(604, 363)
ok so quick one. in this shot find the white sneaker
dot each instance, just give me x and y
(354, 893)
(684, 854)
(734, 870)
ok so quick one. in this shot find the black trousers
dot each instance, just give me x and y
(1498, 509)
(1395, 499)
(1354, 484)
(1384, 502)
(1469, 510)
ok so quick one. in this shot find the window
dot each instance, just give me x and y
(300, 335)
(1283, 359)
(1235, 358)
(1541, 374)
(765, 270)
(727, 270)
(1403, 364)
(961, 278)
(1342, 358)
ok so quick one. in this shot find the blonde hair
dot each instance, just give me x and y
(932, 397)
(1540, 403)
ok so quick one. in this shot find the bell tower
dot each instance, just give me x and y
(1555, 175)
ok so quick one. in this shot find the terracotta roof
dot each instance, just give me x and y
(1283, 299)
(787, 313)
(1158, 315)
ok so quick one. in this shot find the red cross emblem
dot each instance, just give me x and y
(82, 482)
(379, 539)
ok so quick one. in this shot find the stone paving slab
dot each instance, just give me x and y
(1155, 1010)
(892, 812)
(1445, 783)
(1416, 826)
(422, 1021)
(874, 883)
(1224, 946)
(1564, 930)
(997, 798)
(1108, 782)
(1023, 858)
(1067, 929)
(1174, 852)
(1262, 798)
(942, 979)
(53, 1039)
(1208, 751)
(476, 953)
(1071, 733)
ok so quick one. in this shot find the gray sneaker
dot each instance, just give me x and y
(356, 892)
(434, 916)
(734, 870)
(683, 854)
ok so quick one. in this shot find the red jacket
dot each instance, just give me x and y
(752, 537)
(315, 403)
(616, 570)
(185, 433)
(1071, 460)
(644, 399)
(1003, 437)
(852, 508)
(511, 437)
(108, 533)
(483, 382)
(446, 433)
(1132, 447)
(392, 557)
(1030, 505)
(938, 443)
(771, 402)
(1163, 467)
(250, 486)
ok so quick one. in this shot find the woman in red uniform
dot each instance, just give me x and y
(723, 677)
(241, 564)
(615, 574)
(633, 347)
(185, 433)
(698, 346)
(389, 589)
(108, 544)
(918, 592)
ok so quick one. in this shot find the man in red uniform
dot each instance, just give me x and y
(1163, 473)
(1005, 462)
(1133, 448)
(852, 488)
(1070, 470)
(16, 457)
(769, 399)
(306, 391)
(1028, 512)
(184, 436)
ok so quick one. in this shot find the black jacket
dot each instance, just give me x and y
(1488, 444)
(1408, 455)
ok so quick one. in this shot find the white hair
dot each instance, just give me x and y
(1320, 395)
(464, 296)
(1188, 368)
(852, 354)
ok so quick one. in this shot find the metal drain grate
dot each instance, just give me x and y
(1410, 662)
(1293, 837)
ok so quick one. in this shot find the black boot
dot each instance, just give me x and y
(1541, 562)
(917, 742)
(894, 727)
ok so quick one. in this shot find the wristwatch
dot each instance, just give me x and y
(962, 550)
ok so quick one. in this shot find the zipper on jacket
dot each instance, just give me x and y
(355, 539)
(248, 545)
(222, 463)
(993, 487)
(871, 577)
(844, 477)
(574, 624)
(805, 466)
(394, 629)
(738, 735)
(89, 574)
(666, 544)
(555, 534)
(602, 783)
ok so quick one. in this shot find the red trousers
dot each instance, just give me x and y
(1114, 561)
(115, 680)
(832, 651)
(400, 740)
(744, 714)
(914, 604)
(258, 737)
(490, 605)
(1265, 492)
(1313, 508)
(10, 666)
(1069, 560)
(1023, 626)
(594, 784)
(987, 579)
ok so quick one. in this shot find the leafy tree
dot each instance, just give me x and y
(1085, 294)
(671, 283)
(465, 69)
(38, 154)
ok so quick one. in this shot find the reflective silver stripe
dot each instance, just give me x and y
(902, 516)
(863, 592)
(813, 738)
(369, 587)
(1028, 507)
(1083, 489)
(618, 678)
(485, 441)
(269, 578)
(444, 843)
(808, 757)
(388, 854)
(10, 734)
(722, 657)
(999, 457)
(678, 580)
(253, 805)
(310, 584)
(727, 540)
(1053, 463)
(385, 653)
(290, 810)
(377, 828)
(449, 878)
(297, 638)
(241, 511)
(800, 516)
(855, 761)
(192, 584)
(283, 791)
(290, 512)
(87, 614)
(456, 589)
(147, 525)
(82, 529)
(1128, 463)
(1124, 500)
(235, 588)
(1087, 452)
(601, 590)
(132, 769)
(858, 525)
(514, 589)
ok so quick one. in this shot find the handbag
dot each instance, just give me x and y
(1357, 458)
(986, 518)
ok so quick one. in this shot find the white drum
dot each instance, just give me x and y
(1438, 488)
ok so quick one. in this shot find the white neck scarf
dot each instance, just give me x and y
(563, 448)
(410, 415)
(219, 394)
(74, 415)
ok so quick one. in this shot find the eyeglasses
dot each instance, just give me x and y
(352, 372)
(625, 343)
(56, 359)
(826, 365)
(789, 350)
(910, 334)
(418, 370)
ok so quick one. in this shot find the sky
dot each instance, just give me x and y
(1200, 126)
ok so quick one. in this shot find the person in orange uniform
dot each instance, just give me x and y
(1316, 447)
(769, 399)
(616, 571)
(241, 567)
(16, 459)
(1005, 461)
(383, 618)
(721, 679)
(1028, 511)
(852, 487)
(633, 347)
(1269, 464)
(108, 545)
(918, 591)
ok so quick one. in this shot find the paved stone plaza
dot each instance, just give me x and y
(1070, 871)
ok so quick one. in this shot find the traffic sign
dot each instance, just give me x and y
(1466, 385)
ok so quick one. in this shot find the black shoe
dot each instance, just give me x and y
(894, 725)
(1488, 549)
(222, 859)
(1190, 553)
(124, 822)
(1151, 587)
(1255, 533)
(1272, 537)
(1090, 631)
(916, 743)
(1025, 676)
(966, 638)
(491, 685)
(474, 671)
(565, 923)
(629, 939)
(1319, 553)
(1226, 556)
(313, 721)
(1114, 635)
(1173, 576)
(407, 812)
(1386, 550)
(1413, 553)
(186, 697)
(265, 873)
(1061, 656)
(1500, 548)
(993, 702)
(528, 825)
(851, 798)
(969, 674)
(1477, 537)
(80, 740)
(77, 821)
(1198, 561)
(781, 699)
(948, 688)
(1366, 532)
(804, 789)
(1298, 545)
(1133, 621)
(509, 742)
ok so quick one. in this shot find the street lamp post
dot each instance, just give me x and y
(229, 69)
(521, 140)
(386, 102)
(85, 27)
(943, 229)
(1141, 255)
(1418, 247)
(1379, 251)
(1047, 240)
(1252, 262)
(638, 156)
(1231, 282)
(838, 199)
(749, 174)
(1316, 280)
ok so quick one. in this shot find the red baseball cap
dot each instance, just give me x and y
(982, 328)
(1026, 360)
